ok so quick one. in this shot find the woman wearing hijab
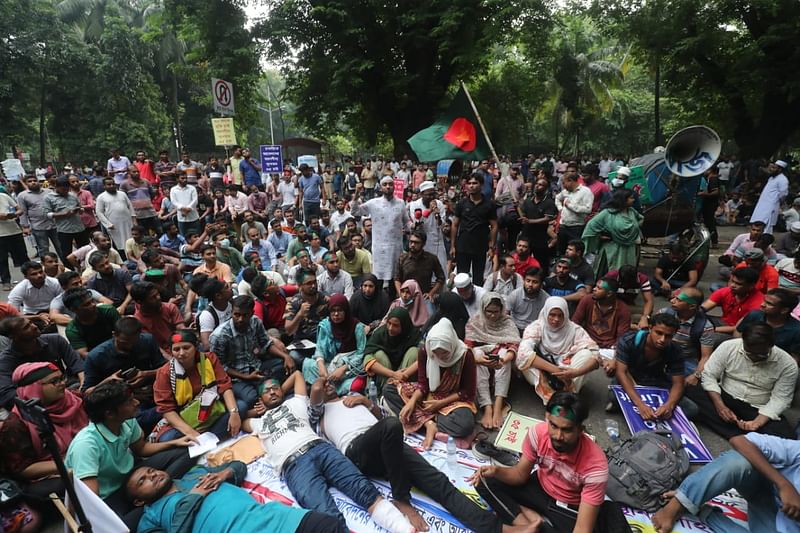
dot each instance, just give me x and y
(22, 453)
(194, 393)
(392, 350)
(451, 307)
(340, 349)
(614, 234)
(494, 340)
(411, 299)
(555, 353)
(369, 304)
(443, 399)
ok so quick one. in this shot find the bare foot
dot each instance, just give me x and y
(498, 418)
(488, 417)
(430, 434)
(412, 514)
(664, 519)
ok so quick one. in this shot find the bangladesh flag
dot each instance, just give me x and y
(455, 135)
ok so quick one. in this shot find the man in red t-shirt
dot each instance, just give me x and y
(159, 319)
(146, 169)
(569, 486)
(523, 259)
(767, 275)
(737, 299)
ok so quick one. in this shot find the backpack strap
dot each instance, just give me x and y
(638, 341)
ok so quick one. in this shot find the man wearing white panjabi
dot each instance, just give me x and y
(115, 212)
(426, 214)
(389, 219)
(769, 203)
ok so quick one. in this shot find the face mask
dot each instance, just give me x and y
(407, 302)
(225, 243)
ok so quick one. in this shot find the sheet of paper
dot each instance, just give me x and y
(205, 443)
(301, 345)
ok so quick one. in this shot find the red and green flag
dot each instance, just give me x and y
(456, 134)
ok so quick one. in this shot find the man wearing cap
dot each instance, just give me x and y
(390, 218)
(769, 201)
(574, 202)
(789, 242)
(470, 293)
(427, 214)
(64, 209)
(789, 274)
(311, 192)
(334, 280)
(767, 275)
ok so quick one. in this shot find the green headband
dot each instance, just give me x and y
(688, 299)
(563, 412)
(268, 383)
(604, 285)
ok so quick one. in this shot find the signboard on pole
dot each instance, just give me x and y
(271, 160)
(224, 134)
(678, 425)
(222, 94)
(310, 160)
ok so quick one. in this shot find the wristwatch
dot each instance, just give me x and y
(234, 410)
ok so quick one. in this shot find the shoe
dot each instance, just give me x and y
(483, 449)
(6, 286)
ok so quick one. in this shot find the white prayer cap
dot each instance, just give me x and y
(387, 179)
(795, 227)
(426, 186)
(624, 171)
(781, 163)
(462, 280)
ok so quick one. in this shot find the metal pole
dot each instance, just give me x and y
(271, 133)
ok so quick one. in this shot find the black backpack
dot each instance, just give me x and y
(642, 468)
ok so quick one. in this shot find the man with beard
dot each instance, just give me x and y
(427, 214)
(568, 492)
(564, 285)
(390, 218)
(469, 293)
(523, 260)
(769, 201)
(64, 209)
(473, 230)
(113, 283)
(526, 302)
(538, 211)
(574, 202)
(256, 243)
(598, 188)
(352, 260)
(334, 280)
(146, 168)
(100, 242)
(421, 266)
(278, 238)
(184, 200)
(602, 315)
(116, 214)
(304, 313)
(34, 218)
(160, 319)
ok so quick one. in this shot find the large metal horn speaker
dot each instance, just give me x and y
(692, 151)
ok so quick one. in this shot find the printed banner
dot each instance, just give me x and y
(730, 503)
(224, 134)
(513, 432)
(271, 160)
(678, 424)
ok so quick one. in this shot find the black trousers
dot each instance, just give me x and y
(65, 243)
(14, 246)
(315, 522)
(566, 234)
(707, 414)
(542, 254)
(474, 263)
(381, 452)
(506, 501)
(710, 222)
(175, 461)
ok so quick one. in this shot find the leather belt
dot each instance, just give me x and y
(299, 453)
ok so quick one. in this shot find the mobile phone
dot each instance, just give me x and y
(493, 357)
(128, 374)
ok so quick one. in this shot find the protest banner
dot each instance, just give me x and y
(678, 424)
(224, 134)
(271, 160)
(512, 434)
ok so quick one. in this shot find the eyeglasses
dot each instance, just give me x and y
(55, 380)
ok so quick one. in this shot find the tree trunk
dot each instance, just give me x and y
(657, 101)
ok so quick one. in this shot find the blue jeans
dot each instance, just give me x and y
(729, 471)
(185, 227)
(323, 466)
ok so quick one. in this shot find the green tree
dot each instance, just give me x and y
(382, 66)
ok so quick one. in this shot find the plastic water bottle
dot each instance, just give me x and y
(612, 428)
(372, 392)
(452, 459)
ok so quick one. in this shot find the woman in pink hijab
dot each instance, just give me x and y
(411, 299)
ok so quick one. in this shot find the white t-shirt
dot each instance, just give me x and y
(206, 319)
(10, 226)
(285, 429)
(343, 424)
(724, 170)
(288, 192)
(604, 167)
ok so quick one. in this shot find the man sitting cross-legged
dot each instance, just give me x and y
(567, 491)
(310, 465)
(210, 499)
(764, 469)
(374, 443)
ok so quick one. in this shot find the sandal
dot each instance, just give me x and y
(483, 449)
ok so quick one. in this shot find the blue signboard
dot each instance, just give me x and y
(271, 160)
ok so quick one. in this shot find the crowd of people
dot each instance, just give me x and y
(331, 311)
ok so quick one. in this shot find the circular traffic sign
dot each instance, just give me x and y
(222, 93)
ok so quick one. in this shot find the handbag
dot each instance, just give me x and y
(194, 413)
(555, 383)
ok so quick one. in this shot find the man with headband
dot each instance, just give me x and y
(695, 336)
(390, 218)
(567, 491)
(302, 263)
(604, 317)
(333, 279)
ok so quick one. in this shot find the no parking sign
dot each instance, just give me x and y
(222, 94)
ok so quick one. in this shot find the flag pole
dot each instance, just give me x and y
(480, 123)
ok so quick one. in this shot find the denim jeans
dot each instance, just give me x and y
(43, 239)
(729, 471)
(184, 227)
(323, 466)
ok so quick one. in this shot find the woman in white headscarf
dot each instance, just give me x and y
(555, 353)
(494, 340)
(443, 398)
